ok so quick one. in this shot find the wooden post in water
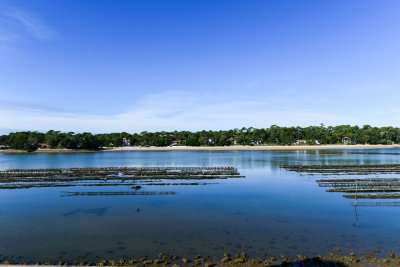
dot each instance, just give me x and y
(355, 204)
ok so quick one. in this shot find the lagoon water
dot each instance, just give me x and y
(270, 212)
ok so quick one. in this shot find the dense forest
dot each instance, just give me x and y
(274, 135)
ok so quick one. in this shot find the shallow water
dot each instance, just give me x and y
(270, 212)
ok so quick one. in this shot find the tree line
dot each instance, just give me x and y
(274, 135)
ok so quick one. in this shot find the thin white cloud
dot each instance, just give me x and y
(176, 110)
(31, 23)
(33, 107)
(19, 25)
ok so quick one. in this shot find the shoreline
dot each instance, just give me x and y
(211, 148)
(334, 258)
(252, 148)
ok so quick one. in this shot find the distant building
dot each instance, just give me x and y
(346, 140)
(233, 140)
(42, 146)
(3, 147)
(300, 142)
(256, 142)
(208, 142)
(176, 143)
(126, 142)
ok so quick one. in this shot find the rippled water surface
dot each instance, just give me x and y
(270, 212)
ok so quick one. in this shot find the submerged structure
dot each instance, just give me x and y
(110, 176)
(382, 186)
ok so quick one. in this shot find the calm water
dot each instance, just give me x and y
(269, 213)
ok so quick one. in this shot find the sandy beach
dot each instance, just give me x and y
(255, 148)
(209, 148)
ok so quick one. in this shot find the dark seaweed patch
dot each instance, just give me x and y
(94, 211)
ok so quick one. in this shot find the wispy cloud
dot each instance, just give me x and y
(35, 107)
(176, 110)
(19, 25)
(31, 23)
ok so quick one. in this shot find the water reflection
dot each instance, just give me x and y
(243, 159)
(271, 212)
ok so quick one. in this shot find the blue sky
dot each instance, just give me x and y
(105, 66)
